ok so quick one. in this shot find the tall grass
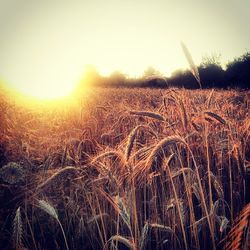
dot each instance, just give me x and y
(129, 175)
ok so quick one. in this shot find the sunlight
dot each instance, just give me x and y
(44, 86)
(46, 90)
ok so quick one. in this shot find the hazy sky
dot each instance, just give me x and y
(49, 41)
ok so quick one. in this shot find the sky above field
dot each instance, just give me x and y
(48, 43)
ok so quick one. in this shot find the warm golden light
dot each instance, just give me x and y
(46, 90)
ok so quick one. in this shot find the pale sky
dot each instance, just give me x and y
(48, 42)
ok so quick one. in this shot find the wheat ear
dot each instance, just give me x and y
(46, 207)
(193, 67)
(208, 102)
(57, 175)
(123, 240)
(158, 152)
(17, 230)
(148, 114)
(132, 137)
(213, 116)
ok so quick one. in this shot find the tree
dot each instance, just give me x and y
(211, 72)
(183, 78)
(117, 78)
(238, 71)
(213, 59)
(154, 78)
(151, 72)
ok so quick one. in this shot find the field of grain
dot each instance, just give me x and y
(127, 169)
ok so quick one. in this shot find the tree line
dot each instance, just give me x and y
(235, 75)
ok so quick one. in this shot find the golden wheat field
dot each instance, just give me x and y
(127, 169)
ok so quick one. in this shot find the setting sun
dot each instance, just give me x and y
(46, 89)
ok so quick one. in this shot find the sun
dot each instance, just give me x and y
(45, 88)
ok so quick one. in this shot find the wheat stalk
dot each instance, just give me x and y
(183, 112)
(128, 243)
(178, 100)
(17, 230)
(148, 114)
(143, 237)
(208, 102)
(46, 207)
(132, 137)
(130, 142)
(213, 116)
(97, 217)
(223, 223)
(159, 151)
(123, 211)
(239, 236)
(183, 171)
(178, 204)
(113, 155)
(193, 68)
(217, 185)
(62, 172)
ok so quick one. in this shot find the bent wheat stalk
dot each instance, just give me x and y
(193, 67)
(159, 150)
(148, 114)
(132, 137)
(128, 243)
(46, 207)
(213, 116)
(56, 176)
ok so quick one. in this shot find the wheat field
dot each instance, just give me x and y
(127, 169)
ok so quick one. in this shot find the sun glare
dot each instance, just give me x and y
(46, 89)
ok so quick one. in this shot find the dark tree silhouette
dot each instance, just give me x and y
(238, 71)
(237, 74)
(212, 75)
(117, 78)
(183, 78)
